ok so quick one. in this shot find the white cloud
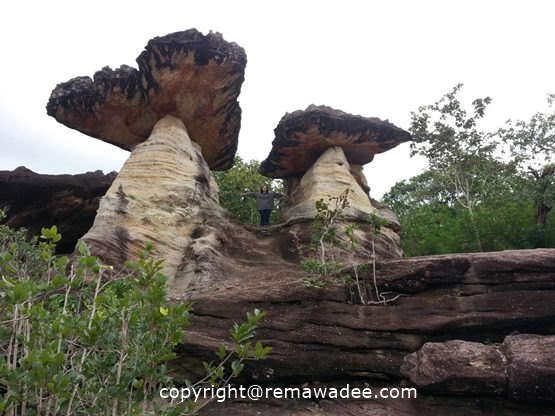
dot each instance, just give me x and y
(372, 58)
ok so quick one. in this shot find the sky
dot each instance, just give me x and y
(373, 58)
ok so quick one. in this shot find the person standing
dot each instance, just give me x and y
(264, 202)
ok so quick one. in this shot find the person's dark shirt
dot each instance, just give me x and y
(264, 200)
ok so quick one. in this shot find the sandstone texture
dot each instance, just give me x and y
(321, 334)
(459, 301)
(329, 175)
(302, 136)
(531, 367)
(193, 77)
(521, 368)
(320, 153)
(70, 202)
(161, 192)
(458, 367)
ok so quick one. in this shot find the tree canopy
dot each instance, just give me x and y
(532, 146)
(483, 190)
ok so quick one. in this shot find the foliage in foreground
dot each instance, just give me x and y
(75, 343)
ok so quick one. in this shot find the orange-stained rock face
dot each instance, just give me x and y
(193, 77)
(302, 137)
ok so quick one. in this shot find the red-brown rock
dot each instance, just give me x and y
(70, 202)
(522, 368)
(531, 367)
(194, 77)
(457, 367)
(301, 137)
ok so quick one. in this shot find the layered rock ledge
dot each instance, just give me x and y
(318, 336)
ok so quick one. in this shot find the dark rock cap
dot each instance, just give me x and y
(302, 136)
(192, 76)
(33, 201)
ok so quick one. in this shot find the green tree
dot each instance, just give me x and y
(430, 222)
(461, 156)
(433, 222)
(506, 221)
(532, 147)
(470, 198)
(244, 177)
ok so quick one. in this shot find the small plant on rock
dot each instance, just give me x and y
(324, 238)
(326, 241)
(376, 224)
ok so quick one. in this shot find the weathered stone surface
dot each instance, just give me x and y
(194, 77)
(457, 367)
(531, 369)
(302, 136)
(383, 211)
(70, 202)
(522, 368)
(358, 174)
(319, 335)
(424, 405)
(160, 195)
(329, 176)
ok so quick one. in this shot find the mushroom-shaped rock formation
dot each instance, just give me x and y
(188, 75)
(320, 152)
(180, 117)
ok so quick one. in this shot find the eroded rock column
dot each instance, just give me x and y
(156, 197)
(330, 175)
(178, 113)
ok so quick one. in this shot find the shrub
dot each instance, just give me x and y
(75, 342)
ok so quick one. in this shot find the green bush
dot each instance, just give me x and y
(76, 341)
